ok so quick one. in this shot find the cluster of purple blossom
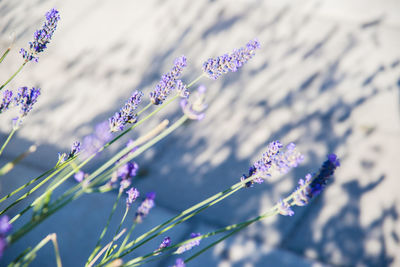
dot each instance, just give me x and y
(273, 160)
(215, 67)
(310, 187)
(42, 36)
(164, 244)
(93, 142)
(5, 227)
(25, 98)
(144, 208)
(75, 149)
(189, 245)
(170, 82)
(127, 113)
(195, 110)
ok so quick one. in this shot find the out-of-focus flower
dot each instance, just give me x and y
(145, 207)
(6, 101)
(189, 245)
(165, 243)
(195, 110)
(133, 194)
(284, 208)
(179, 263)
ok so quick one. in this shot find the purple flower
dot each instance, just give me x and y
(79, 176)
(42, 36)
(179, 263)
(6, 101)
(26, 98)
(195, 110)
(145, 207)
(189, 245)
(312, 186)
(290, 158)
(215, 67)
(127, 113)
(75, 149)
(128, 170)
(133, 194)
(5, 225)
(169, 82)
(275, 160)
(165, 243)
(284, 208)
(92, 143)
(325, 172)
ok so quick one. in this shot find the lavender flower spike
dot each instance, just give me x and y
(26, 98)
(127, 113)
(5, 227)
(133, 194)
(169, 82)
(189, 245)
(6, 101)
(42, 36)
(195, 110)
(215, 67)
(284, 208)
(165, 243)
(145, 207)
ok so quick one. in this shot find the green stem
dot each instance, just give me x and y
(125, 240)
(5, 54)
(7, 141)
(116, 232)
(26, 195)
(10, 165)
(15, 74)
(97, 247)
(66, 198)
(51, 237)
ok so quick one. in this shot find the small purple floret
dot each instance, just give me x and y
(215, 67)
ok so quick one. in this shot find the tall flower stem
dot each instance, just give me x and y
(15, 74)
(30, 256)
(98, 246)
(10, 165)
(116, 232)
(5, 54)
(71, 195)
(8, 140)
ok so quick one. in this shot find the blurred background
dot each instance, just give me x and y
(327, 77)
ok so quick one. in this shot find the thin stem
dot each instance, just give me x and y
(51, 237)
(8, 140)
(5, 54)
(26, 195)
(66, 198)
(10, 165)
(97, 247)
(116, 232)
(15, 74)
(195, 81)
(106, 248)
(125, 240)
